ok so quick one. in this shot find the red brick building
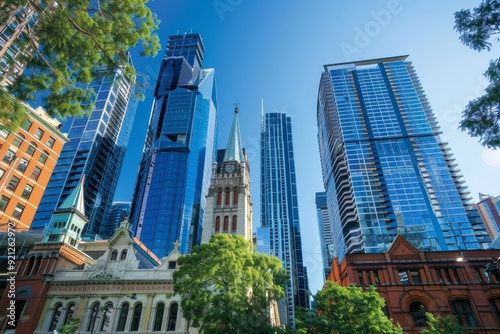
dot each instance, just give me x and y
(409, 279)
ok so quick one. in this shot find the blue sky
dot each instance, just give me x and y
(275, 51)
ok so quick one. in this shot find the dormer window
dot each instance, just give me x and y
(123, 256)
(114, 255)
(171, 264)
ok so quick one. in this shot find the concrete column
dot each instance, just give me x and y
(147, 312)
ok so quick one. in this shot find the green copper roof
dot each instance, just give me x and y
(234, 151)
(75, 199)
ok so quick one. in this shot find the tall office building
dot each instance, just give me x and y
(229, 206)
(174, 175)
(325, 233)
(280, 209)
(119, 212)
(385, 169)
(489, 210)
(96, 149)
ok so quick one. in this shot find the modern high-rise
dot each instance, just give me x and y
(280, 209)
(385, 169)
(229, 206)
(96, 149)
(325, 232)
(489, 210)
(119, 212)
(174, 174)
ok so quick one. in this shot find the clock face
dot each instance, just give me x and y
(229, 168)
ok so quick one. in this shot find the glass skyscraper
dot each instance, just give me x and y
(325, 233)
(385, 169)
(280, 208)
(96, 149)
(174, 176)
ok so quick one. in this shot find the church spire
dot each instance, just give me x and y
(234, 150)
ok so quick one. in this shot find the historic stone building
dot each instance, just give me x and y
(442, 283)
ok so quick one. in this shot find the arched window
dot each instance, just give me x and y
(219, 196)
(29, 265)
(114, 255)
(226, 223)
(235, 195)
(55, 317)
(172, 317)
(70, 312)
(217, 224)
(228, 196)
(136, 318)
(160, 309)
(235, 222)
(36, 265)
(417, 311)
(122, 319)
(123, 256)
(106, 317)
(94, 313)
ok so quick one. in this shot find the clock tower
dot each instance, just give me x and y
(229, 206)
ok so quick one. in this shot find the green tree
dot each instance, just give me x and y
(481, 117)
(225, 287)
(71, 326)
(75, 41)
(439, 325)
(347, 310)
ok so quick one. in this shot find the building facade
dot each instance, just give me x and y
(325, 232)
(279, 207)
(385, 169)
(28, 158)
(489, 210)
(96, 149)
(119, 212)
(443, 283)
(174, 175)
(229, 206)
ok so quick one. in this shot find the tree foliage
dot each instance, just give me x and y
(71, 326)
(226, 288)
(439, 325)
(481, 117)
(73, 42)
(339, 310)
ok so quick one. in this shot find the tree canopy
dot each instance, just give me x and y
(439, 325)
(73, 42)
(227, 288)
(338, 311)
(481, 117)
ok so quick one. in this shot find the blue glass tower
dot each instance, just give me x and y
(385, 169)
(279, 207)
(174, 176)
(96, 149)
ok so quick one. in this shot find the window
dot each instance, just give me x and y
(440, 277)
(368, 278)
(23, 164)
(94, 312)
(17, 140)
(172, 317)
(122, 319)
(38, 134)
(377, 279)
(123, 255)
(495, 307)
(227, 197)
(235, 195)
(160, 309)
(14, 181)
(106, 317)
(3, 134)
(417, 311)
(455, 274)
(409, 276)
(403, 277)
(415, 276)
(136, 318)
(36, 173)
(31, 149)
(50, 142)
(2, 172)
(478, 274)
(114, 255)
(55, 317)
(71, 311)
(219, 196)
(462, 310)
(171, 264)
(26, 126)
(27, 191)
(226, 223)
(217, 224)
(20, 307)
(43, 157)
(18, 211)
(9, 156)
(235, 223)
(360, 278)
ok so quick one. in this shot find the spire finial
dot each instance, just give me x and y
(236, 109)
